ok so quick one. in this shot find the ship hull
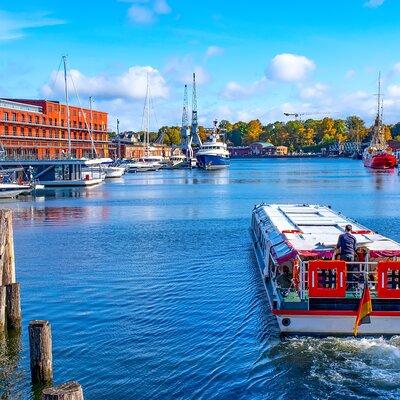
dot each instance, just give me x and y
(210, 162)
(380, 161)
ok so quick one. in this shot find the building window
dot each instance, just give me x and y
(37, 119)
(37, 132)
(13, 116)
(14, 130)
(62, 122)
(30, 132)
(95, 126)
(23, 117)
(50, 121)
(5, 116)
(30, 118)
(6, 130)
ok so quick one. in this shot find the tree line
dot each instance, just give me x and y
(295, 135)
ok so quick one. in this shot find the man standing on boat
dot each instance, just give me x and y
(347, 246)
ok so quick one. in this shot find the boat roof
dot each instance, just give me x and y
(312, 230)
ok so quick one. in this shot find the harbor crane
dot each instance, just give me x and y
(186, 137)
(194, 131)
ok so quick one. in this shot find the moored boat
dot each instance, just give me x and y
(10, 190)
(213, 154)
(309, 291)
(378, 155)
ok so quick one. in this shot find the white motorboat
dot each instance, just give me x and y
(10, 190)
(114, 172)
(142, 166)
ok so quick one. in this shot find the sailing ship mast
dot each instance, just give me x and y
(146, 119)
(378, 137)
(64, 58)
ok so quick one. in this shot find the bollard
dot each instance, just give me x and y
(13, 306)
(40, 349)
(7, 247)
(67, 391)
(2, 308)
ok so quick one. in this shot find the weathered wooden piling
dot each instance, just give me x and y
(2, 309)
(40, 347)
(7, 259)
(67, 391)
(13, 306)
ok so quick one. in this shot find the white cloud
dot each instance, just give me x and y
(141, 15)
(131, 84)
(213, 51)
(288, 67)
(393, 90)
(373, 3)
(144, 12)
(180, 70)
(350, 74)
(161, 7)
(15, 25)
(236, 91)
(315, 91)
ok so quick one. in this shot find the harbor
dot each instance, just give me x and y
(131, 315)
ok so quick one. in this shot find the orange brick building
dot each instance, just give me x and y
(38, 129)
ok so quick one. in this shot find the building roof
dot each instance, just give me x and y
(263, 144)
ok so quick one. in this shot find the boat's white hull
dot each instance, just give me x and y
(72, 183)
(114, 172)
(11, 190)
(337, 325)
(9, 194)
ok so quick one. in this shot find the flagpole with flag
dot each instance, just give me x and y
(364, 309)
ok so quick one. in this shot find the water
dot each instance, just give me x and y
(153, 292)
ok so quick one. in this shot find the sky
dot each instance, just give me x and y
(253, 59)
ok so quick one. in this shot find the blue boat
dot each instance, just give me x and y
(213, 154)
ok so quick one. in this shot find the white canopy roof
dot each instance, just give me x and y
(315, 228)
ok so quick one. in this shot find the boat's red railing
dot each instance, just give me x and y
(340, 279)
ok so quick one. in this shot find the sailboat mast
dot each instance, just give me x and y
(91, 124)
(147, 118)
(67, 104)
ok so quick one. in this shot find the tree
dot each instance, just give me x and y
(396, 130)
(202, 133)
(172, 134)
(326, 132)
(225, 125)
(254, 129)
(356, 130)
(341, 130)
(237, 133)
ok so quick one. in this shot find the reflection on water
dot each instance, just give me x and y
(152, 290)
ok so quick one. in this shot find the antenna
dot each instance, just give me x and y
(119, 140)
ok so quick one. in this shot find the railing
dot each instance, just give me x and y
(351, 282)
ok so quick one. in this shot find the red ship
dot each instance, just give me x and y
(378, 155)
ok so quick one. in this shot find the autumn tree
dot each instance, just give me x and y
(172, 135)
(253, 131)
(202, 133)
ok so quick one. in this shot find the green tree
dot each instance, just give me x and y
(172, 134)
(326, 132)
(237, 133)
(356, 130)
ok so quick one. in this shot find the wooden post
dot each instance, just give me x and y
(40, 347)
(7, 248)
(67, 391)
(2, 308)
(13, 306)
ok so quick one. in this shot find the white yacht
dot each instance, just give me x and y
(213, 154)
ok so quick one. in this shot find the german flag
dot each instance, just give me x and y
(364, 309)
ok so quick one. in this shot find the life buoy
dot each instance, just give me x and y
(362, 231)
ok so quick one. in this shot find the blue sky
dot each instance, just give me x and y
(254, 59)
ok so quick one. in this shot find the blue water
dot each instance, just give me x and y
(153, 292)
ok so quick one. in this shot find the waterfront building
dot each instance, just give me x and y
(258, 149)
(37, 129)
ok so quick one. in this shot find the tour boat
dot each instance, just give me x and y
(213, 154)
(378, 155)
(175, 162)
(311, 292)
